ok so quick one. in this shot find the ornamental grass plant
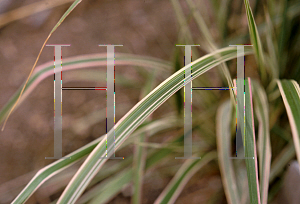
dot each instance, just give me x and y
(150, 133)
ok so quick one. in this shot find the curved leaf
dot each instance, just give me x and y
(290, 93)
(137, 115)
(183, 175)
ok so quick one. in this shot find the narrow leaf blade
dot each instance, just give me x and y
(290, 93)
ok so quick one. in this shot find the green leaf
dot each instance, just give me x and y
(54, 168)
(290, 93)
(264, 146)
(47, 172)
(108, 189)
(100, 192)
(224, 151)
(140, 151)
(273, 52)
(183, 175)
(256, 42)
(283, 37)
(280, 162)
(82, 62)
(75, 3)
(137, 115)
(210, 45)
(185, 34)
(250, 146)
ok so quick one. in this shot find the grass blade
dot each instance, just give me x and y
(242, 183)
(99, 192)
(273, 52)
(54, 168)
(250, 146)
(210, 46)
(140, 151)
(224, 150)
(109, 189)
(256, 42)
(283, 37)
(75, 3)
(183, 175)
(264, 146)
(29, 10)
(47, 172)
(280, 162)
(290, 93)
(293, 12)
(185, 33)
(80, 62)
(222, 18)
(137, 115)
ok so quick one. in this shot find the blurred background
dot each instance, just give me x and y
(144, 27)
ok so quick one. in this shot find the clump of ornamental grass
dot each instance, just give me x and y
(274, 47)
